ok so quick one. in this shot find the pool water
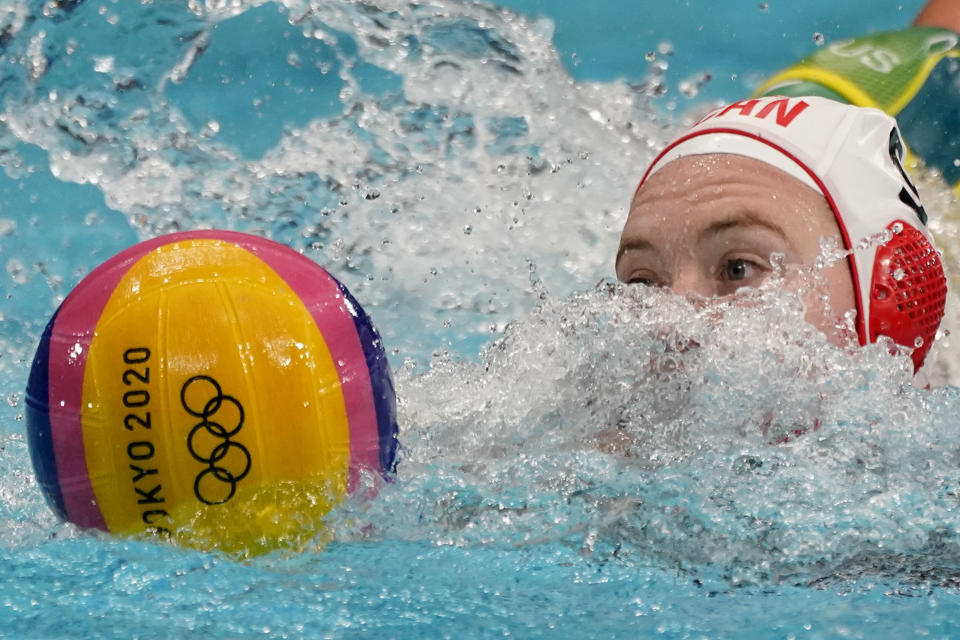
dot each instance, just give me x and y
(570, 465)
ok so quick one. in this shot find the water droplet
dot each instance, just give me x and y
(17, 271)
(651, 56)
(898, 274)
(37, 61)
(918, 342)
(764, 7)
(897, 227)
(103, 64)
(691, 86)
(818, 39)
(467, 230)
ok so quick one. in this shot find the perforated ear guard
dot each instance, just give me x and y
(908, 291)
(854, 157)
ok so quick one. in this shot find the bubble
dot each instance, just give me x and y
(818, 39)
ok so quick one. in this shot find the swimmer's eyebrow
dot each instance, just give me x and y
(636, 244)
(742, 220)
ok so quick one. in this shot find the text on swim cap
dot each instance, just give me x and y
(784, 113)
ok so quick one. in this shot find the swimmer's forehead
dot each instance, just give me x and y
(725, 196)
(725, 172)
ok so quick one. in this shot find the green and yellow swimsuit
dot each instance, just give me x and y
(913, 75)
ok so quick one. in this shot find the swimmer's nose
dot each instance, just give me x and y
(693, 285)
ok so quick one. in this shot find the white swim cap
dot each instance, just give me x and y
(854, 157)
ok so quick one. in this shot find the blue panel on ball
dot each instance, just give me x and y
(39, 435)
(384, 396)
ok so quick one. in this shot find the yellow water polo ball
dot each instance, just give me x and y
(213, 386)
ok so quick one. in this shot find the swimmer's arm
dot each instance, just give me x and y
(944, 14)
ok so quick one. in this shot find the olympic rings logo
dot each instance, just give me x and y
(211, 442)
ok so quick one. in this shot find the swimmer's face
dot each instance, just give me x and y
(709, 224)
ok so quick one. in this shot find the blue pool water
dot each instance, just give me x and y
(566, 470)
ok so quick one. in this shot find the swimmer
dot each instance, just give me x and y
(761, 186)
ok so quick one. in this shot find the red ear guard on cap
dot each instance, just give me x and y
(908, 291)
(853, 156)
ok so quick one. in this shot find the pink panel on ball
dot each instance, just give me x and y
(69, 345)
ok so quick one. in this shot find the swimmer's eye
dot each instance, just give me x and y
(738, 269)
(647, 282)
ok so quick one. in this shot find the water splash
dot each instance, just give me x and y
(615, 426)
(635, 424)
(402, 126)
